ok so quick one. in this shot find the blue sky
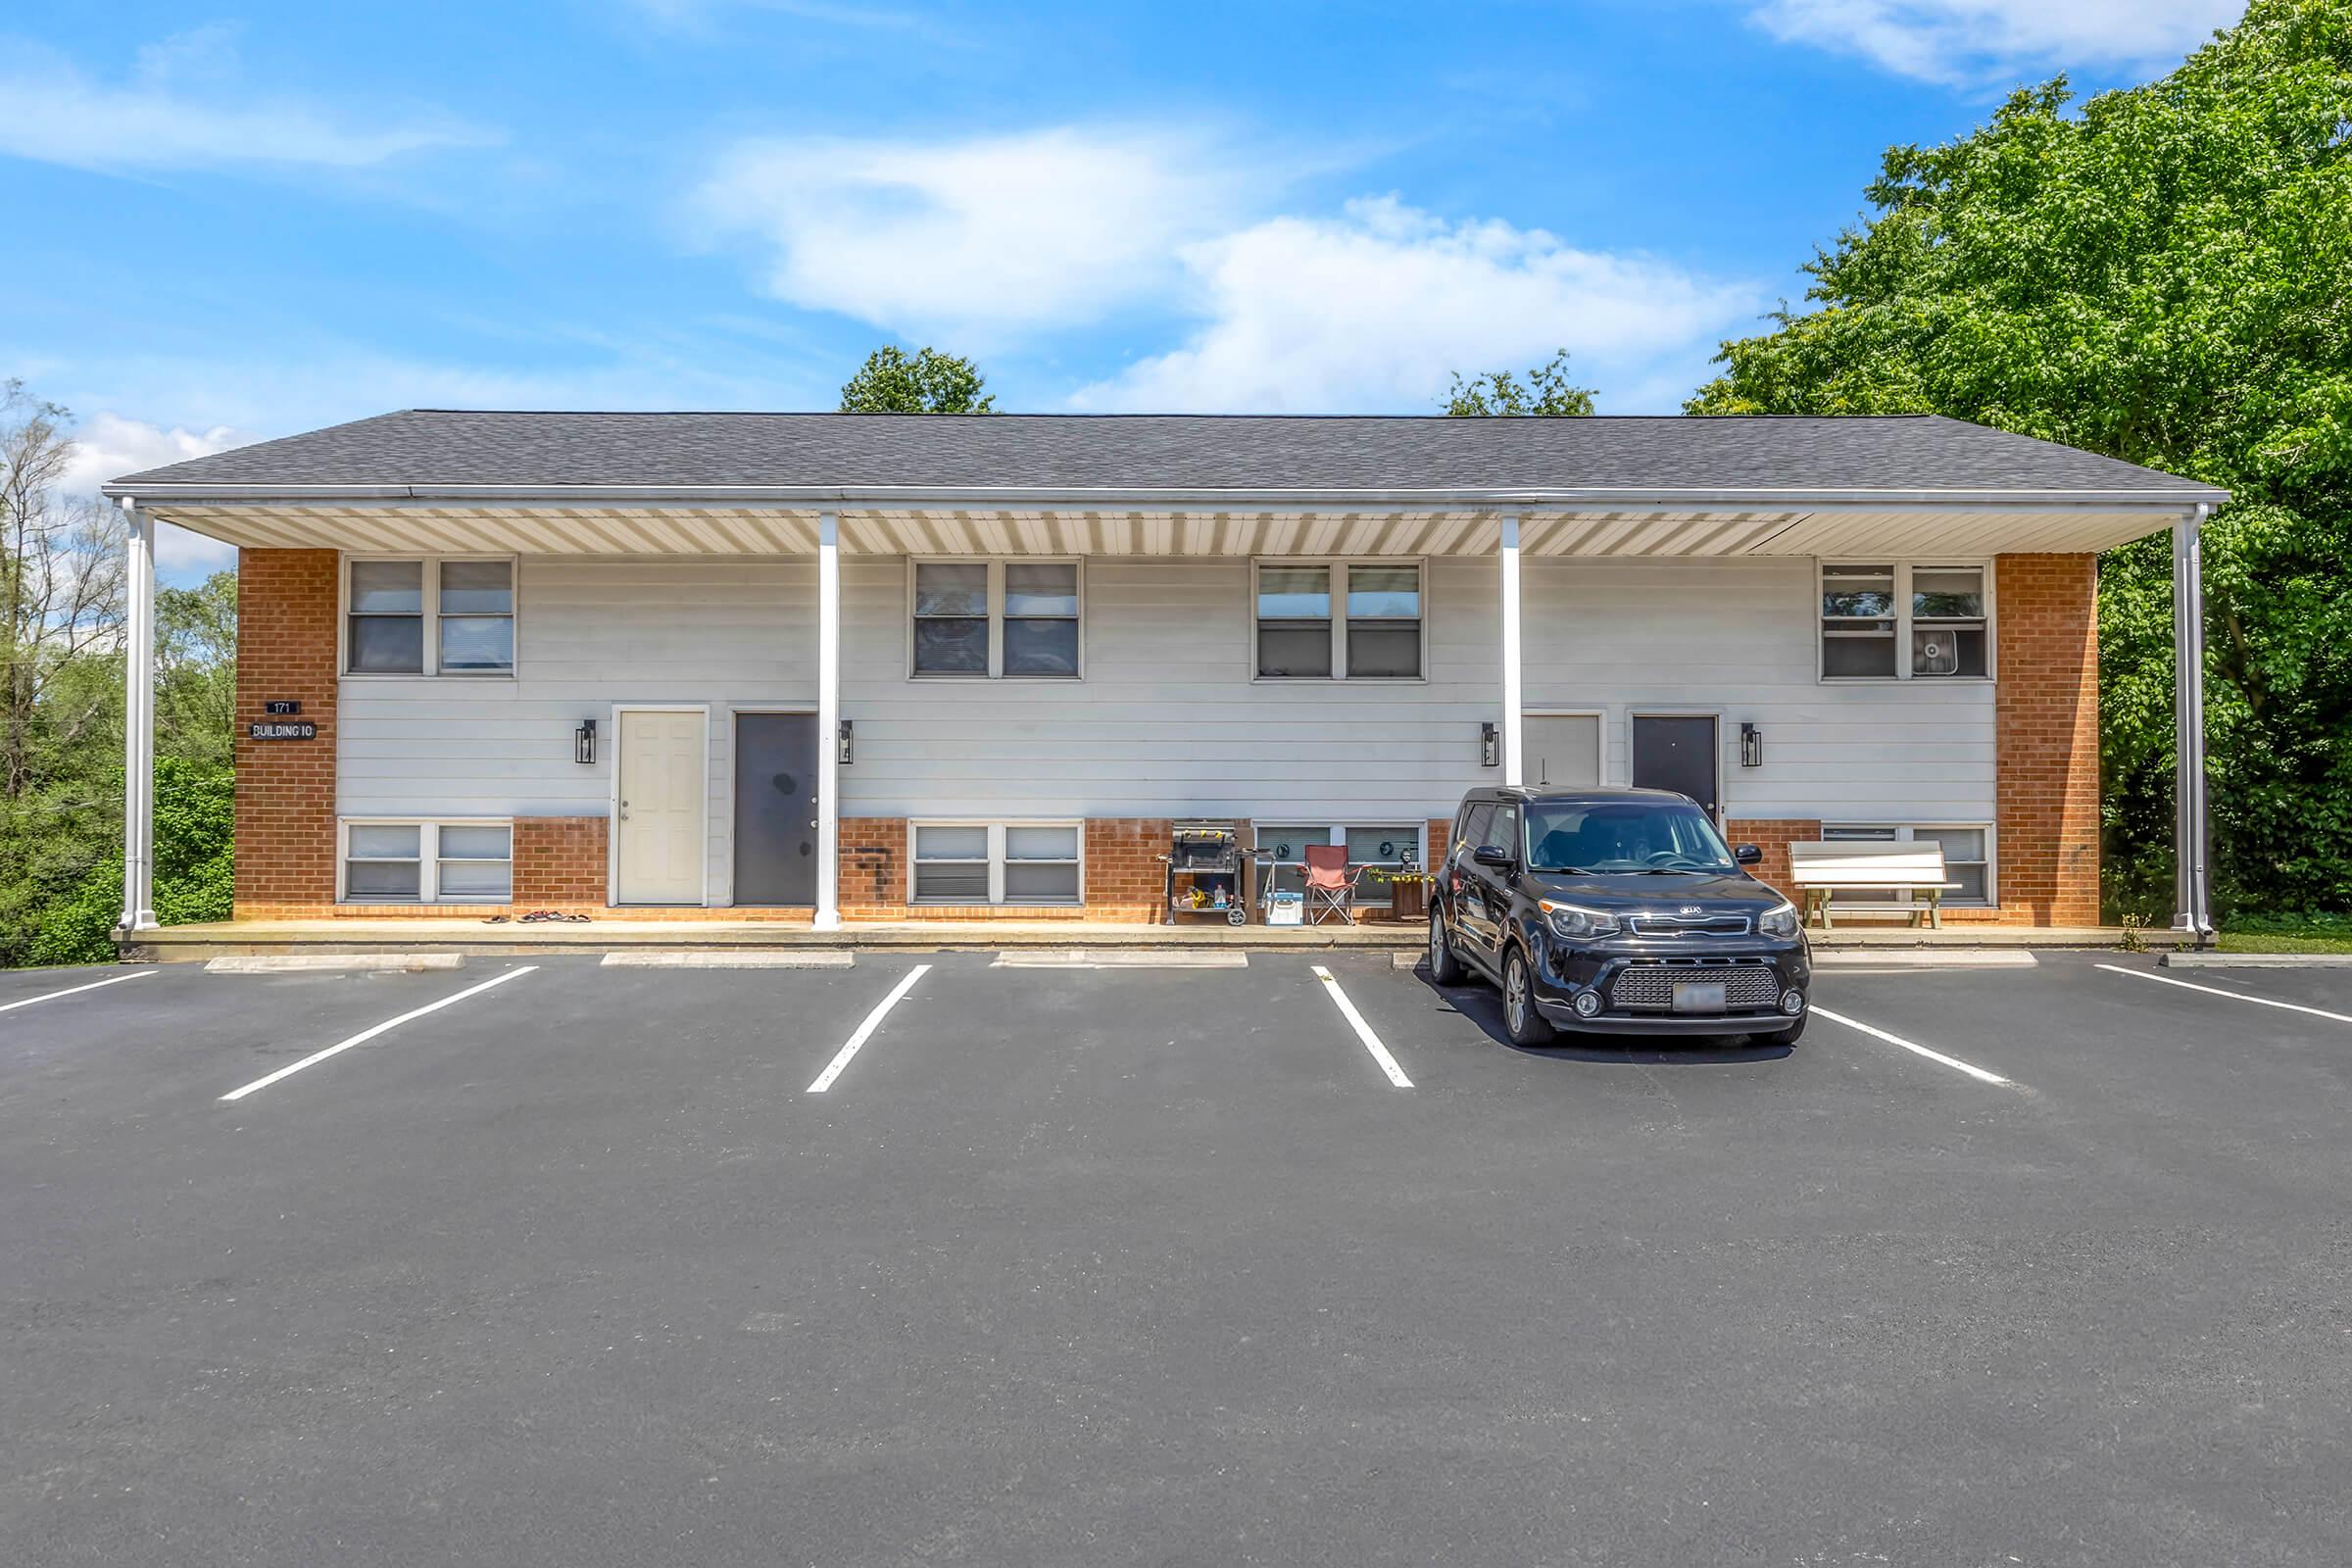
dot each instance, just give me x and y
(253, 220)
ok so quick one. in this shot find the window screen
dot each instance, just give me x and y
(1293, 622)
(951, 619)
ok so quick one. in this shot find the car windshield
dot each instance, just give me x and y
(1623, 837)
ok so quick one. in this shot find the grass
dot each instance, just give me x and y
(2288, 933)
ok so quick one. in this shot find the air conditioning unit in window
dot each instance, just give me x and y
(1935, 652)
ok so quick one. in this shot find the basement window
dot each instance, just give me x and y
(1966, 859)
(998, 863)
(427, 862)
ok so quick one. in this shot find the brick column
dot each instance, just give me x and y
(285, 790)
(873, 868)
(2047, 743)
(1124, 875)
(560, 862)
(1774, 835)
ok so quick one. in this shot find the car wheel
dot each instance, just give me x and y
(1520, 1019)
(1783, 1037)
(1444, 967)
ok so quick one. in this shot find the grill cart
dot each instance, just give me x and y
(1207, 857)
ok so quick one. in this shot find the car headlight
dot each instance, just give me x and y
(1578, 924)
(1779, 922)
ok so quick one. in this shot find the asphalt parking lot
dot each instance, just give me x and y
(1061, 1265)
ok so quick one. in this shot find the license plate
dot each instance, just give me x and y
(1698, 995)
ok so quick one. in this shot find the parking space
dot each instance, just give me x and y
(932, 1258)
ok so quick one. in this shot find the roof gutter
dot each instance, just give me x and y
(1082, 499)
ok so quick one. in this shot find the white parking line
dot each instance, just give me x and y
(1363, 1030)
(1953, 1062)
(366, 1035)
(873, 1021)
(74, 991)
(2234, 996)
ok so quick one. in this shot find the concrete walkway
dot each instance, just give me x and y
(424, 934)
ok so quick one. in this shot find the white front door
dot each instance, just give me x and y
(660, 806)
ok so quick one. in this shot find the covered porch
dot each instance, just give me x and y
(1507, 533)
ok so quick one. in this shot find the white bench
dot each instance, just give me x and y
(1916, 867)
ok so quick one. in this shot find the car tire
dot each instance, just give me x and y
(1520, 1020)
(1444, 967)
(1783, 1037)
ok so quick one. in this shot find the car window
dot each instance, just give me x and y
(1624, 836)
(1504, 830)
(1475, 817)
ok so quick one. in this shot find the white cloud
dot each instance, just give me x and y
(1971, 41)
(184, 107)
(1046, 228)
(1373, 309)
(109, 445)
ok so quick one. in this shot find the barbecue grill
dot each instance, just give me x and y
(1208, 856)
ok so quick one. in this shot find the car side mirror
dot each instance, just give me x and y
(1494, 855)
(1748, 854)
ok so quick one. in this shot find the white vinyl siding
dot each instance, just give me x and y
(1171, 721)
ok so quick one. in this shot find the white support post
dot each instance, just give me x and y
(138, 723)
(2193, 902)
(828, 722)
(1512, 703)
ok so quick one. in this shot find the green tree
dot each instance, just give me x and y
(929, 382)
(196, 671)
(1548, 392)
(2161, 276)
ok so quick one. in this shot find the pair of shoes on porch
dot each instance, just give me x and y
(542, 916)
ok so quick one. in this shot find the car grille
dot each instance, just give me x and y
(1641, 986)
(1697, 925)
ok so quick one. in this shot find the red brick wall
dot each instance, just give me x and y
(560, 862)
(873, 867)
(1774, 836)
(1125, 878)
(2046, 717)
(285, 790)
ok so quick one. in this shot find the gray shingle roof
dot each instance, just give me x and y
(435, 449)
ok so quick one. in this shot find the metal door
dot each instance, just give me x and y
(1680, 752)
(1560, 751)
(776, 809)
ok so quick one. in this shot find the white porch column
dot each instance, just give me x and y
(1512, 703)
(828, 722)
(138, 723)
(2192, 902)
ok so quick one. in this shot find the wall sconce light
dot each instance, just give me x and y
(1751, 745)
(1490, 745)
(583, 742)
(845, 742)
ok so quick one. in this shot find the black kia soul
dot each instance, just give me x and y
(1618, 912)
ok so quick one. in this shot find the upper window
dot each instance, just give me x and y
(430, 616)
(1889, 621)
(1375, 633)
(977, 619)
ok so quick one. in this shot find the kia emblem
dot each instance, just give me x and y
(1690, 908)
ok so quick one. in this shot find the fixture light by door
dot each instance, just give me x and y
(844, 740)
(583, 742)
(1751, 745)
(1490, 745)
